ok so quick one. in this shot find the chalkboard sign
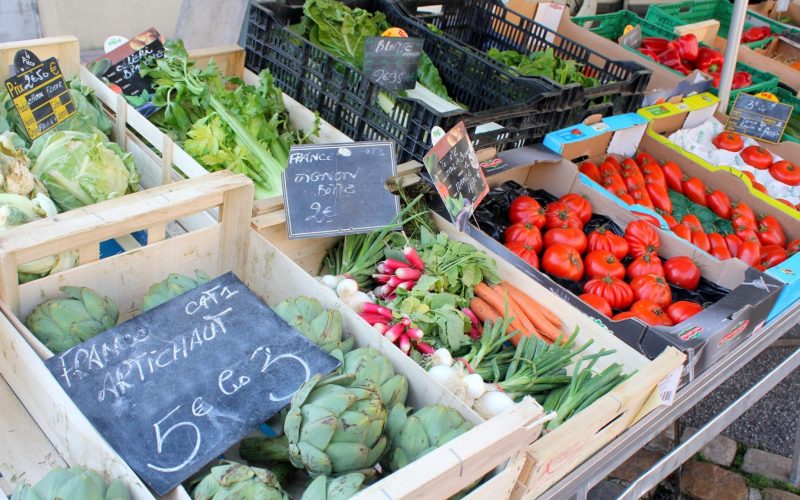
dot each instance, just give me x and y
(39, 93)
(121, 65)
(339, 188)
(456, 174)
(176, 386)
(392, 62)
(758, 118)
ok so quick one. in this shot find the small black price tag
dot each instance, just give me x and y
(456, 174)
(39, 93)
(392, 62)
(339, 189)
(758, 118)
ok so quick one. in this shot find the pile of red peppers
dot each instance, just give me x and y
(684, 54)
(755, 34)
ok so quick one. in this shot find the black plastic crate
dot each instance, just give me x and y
(342, 94)
(487, 24)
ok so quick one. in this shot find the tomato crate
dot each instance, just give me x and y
(504, 110)
(482, 25)
(671, 15)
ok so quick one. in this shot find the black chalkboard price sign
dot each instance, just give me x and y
(758, 118)
(176, 386)
(121, 65)
(392, 62)
(339, 189)
(456, 174)
(39, 93)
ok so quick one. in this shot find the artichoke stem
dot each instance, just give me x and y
(263, 449)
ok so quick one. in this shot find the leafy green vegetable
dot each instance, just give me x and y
(545, 64)
(712, 223)
(438, 315)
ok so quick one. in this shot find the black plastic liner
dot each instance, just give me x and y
(491, 217)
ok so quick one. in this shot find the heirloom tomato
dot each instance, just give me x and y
(527, 210)
(642, 238)
(683, 310)
(525, 252)
(617, 293)
(526, 233)
(646, 264)
(652, 287)
(786, 172)
(569, 236)
(597, 302)
(603, 239)
(558, 214)
(599, 263)
(563, 262)
(683, 272)
(579, 205)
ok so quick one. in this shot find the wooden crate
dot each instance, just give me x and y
(226, 245)
(558, 452)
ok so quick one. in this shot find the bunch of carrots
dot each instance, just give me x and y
(529, 317)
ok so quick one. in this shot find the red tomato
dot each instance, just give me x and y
(526, 233)
(757, 157)
(692, 222)
(760, 187)
(793, 247)
(660, 197)
(642, 238)
(626, 198)
(602, 263)
(648, 218)
(785, 172)
(615, 184)
(643, 158)
(743, 212)
(653, 174)
(650, 312)
(614, 161)
(603, 239)
(608, 169)
(770, 232)
(733, 243)
(563, 262)
(786, 202)
(579, 205)
(670, 220)
(749, 252)
(597, 302)
(729, 141)
(647, 264)
(525, 252)
(719, 203)
(566, 236)
(624, 315)
(694, 189)
(590, 170)
(682, 310)
(527, 210)
(558, 214)
(772, 255)
(652, 287)
(632, 175)
(746, 234)
(674, 176)
(749, 175)
(617, 293)
(683, 272)
(683, 231)
(700, 240)
(719, 248)
(641, 197)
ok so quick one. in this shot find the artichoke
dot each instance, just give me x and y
(321, 326)
(412, 436)
(337, 488)
(173, 286)
(62, 323)
(76, 483)
(233, 481)
(334, 426)
(369, 365)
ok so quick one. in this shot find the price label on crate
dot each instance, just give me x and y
(392, 62)
(339, 188)
(122, 63)
(39, 93)
(456, 174)
(176, 386)
(758, 118)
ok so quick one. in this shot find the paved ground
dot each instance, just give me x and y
(770, 424)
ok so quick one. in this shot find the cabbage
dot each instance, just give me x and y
(15, 174)
(80, 169)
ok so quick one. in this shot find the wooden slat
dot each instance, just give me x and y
(65, 48)
(229, 59)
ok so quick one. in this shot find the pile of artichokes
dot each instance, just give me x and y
(75, 483)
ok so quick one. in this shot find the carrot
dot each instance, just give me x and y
(484, 312)
(534, 312)
(547, 313)
(517, 311)
(498, 303)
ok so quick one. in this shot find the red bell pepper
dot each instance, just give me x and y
(655, 43)
(709, 60)
(652, 54)
(741, 79)
(671, 59)
(756, 33)
(715, 79)
(687, 47)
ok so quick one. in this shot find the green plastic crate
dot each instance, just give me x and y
(787, 97)
(669, 16)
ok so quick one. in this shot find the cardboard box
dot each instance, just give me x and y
(789, 18)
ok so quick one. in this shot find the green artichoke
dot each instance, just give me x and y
(337, 488)
(369, 365)
(62, 323)
(233, 481)
(76, 483)
(334, 426)
(412, 436)
(321, 326)
(173, 286)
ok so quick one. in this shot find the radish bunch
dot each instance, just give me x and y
(400, 332)
(394, 274)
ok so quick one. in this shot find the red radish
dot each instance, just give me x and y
(411, 255)
(380, 327)
(390, 297)
(381, 278)
(406, 321)
(394, 332)
(406, 273)
(372, 308)
(394, 281)
(472, 317)
(373, 318)
(407, 285)
(414, 333)
(389, 266)
(474, 333)
(424, 348)
(404, 343)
